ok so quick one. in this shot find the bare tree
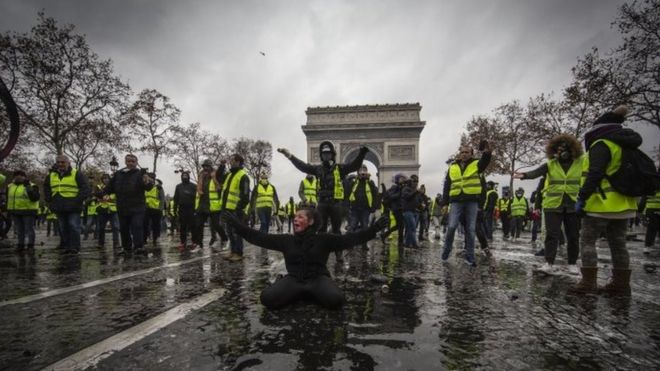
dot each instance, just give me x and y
(154, 120)
(258, 155)
(96, 138)
(58, 83)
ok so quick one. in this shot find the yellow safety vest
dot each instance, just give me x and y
(66, 187)
(111, 204)
(367, 190)
(232, 191)
(214, 198)
(50, 215)
(153, 202)
(518, 206)
(18, 200)
(91, 208)
(558, 183)
(467, 181)
(170, 208)
(309, 189)
(607, 199)
(265, 196)
(653, 202)
(503, 204)
(290, 208)
(339, 186)
(488, 193)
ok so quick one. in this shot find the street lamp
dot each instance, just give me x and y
(114, 165)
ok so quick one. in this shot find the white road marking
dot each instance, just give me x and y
(92, 355)
(65, 290)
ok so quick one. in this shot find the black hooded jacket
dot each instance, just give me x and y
(305, 254)
(129, 188)
(600, 157)
(324, 172)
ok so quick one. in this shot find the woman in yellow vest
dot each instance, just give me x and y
(562, 174)
(605, 210)
(23, 205)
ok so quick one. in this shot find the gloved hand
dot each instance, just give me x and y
(382, 222)
(579, 207)
(26, 182)
(285, 152)
(228, 217)
(364, 150)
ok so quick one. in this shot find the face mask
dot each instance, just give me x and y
(185, 179)
(263, 181)
(519, 194)
(565, 155)
(326, 156)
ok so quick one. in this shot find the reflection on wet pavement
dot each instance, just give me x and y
(404, 310)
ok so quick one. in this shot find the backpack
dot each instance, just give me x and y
(637, 176)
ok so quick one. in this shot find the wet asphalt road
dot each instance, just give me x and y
(500, 315)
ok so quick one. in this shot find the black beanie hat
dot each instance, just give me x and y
(19, 172)
(616, 116)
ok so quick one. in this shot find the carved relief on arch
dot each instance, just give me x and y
(376, 147)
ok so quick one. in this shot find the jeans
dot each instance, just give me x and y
(469, 211)
(130, 229)
(359, 219)
(91, 223)
(103, 219)
(652, 228)
(410, 220)
(24, 225)
(264, 214)
(70, 229)
(152, 220)
(235, 241)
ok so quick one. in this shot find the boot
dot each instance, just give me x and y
(619, 284)
(588, 282)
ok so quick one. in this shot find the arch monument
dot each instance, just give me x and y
(390, 131)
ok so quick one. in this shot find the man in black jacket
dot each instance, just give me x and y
(65, 189)
(129, 185)
(330, 177)
(184, 207)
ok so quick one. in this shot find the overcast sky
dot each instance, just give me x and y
(456, 58)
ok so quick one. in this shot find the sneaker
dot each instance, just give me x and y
(540, 253)
(573, 269)
(547, 269)
(212, 242)
(488, 253)
(226, 254)
(195, 248)
(469, 263)
(181, 247)
(445, 255)
(647, 250)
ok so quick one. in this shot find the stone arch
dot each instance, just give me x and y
(390, 131)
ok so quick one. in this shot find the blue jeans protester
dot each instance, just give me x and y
(410, 220)
(70, 229)
(456, 210)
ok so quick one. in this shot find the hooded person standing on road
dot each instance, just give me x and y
(605, 210)
(330, 177)
(562, 174)
(184, 208)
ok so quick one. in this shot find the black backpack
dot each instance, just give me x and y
(637, 176)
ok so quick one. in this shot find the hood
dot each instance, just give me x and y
(329, 144)
(551, 147)
(624, 137)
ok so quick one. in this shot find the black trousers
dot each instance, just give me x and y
(186, 224)
(152, 219)
(480, 229)
(214, 226)
(130, 229)
(652, 229)
(506, 224)
(553, 223)
(322, 289)
(331, 212)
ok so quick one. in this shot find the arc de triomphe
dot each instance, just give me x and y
(390, 131)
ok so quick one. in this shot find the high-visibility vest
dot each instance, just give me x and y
(50, 215)
(653, 202)
(170, 208)
(367, 190)
(265, 196)
(558, 183)
(503, 204)
(290, 208)
(466, 181)
(488, 193)
(91, 208)
(153, 202)
(280, 212)
(110, 204)
(309, 189)
(338, 192)
(232, 190)
(214, 198)
(607, 199)
(18, 200)
(518, 206)
(66, 187)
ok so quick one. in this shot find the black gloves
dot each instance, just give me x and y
(382, 222)
(364, 150)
